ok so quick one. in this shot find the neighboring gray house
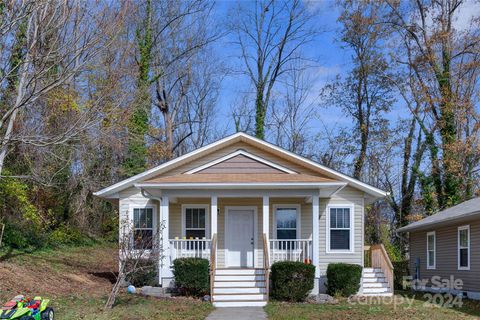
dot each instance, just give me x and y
(447, 244)
(243, 204)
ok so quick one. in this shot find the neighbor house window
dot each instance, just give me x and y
(195, 223)
(286, 222)
(431, 250)
(143, 228)
(464, 248)
(340, 228)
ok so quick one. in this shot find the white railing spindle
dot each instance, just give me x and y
(291, 250)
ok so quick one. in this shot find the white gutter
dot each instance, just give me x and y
(250, 185)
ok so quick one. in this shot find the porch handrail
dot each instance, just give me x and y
(381, 260)
(291, 250)
(190, 248)
(266, 264)
(213, 262)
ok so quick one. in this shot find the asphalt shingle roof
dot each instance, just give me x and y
(463, 210)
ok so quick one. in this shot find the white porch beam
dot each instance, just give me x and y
(165, 271)
(213, 216)
(315, 233)
(266, 216)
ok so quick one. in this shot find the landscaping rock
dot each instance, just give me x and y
(157, 292)
(322, 298)
(206, 298)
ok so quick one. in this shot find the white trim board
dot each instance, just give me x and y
(465, 227)
(432, 233)
(243, 153)
(255, 231)
(352, 228)
(112, 191)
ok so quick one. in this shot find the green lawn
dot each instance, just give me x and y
(373, 310)
(132, 307)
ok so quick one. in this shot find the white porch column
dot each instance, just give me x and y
(266, 217)
(213, 216)
(165, 271)
(315, 233)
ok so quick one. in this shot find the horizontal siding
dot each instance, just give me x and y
(234, 147)
(347, 196)
(447, 255)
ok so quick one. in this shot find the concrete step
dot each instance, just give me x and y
(375, 285)
(228, 284)
(239, 297)
(239, 277)
(253, 290)
(233, 304)
(376, 290)
(229, 271)
(373, 275)
(373, 279)
(383, 294)
(372, 270)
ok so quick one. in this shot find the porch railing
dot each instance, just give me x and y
(291, 250)
(376, 257)
(190, 248)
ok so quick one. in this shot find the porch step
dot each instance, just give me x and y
(243, 290)
(239, 277)
(231, 271)
(237, 304)
(374, 283)
(239, 288)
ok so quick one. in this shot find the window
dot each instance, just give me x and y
(431, 247)
(340, 227)
(143, 228)
(195, 223)
(286, 222)
(464, 248)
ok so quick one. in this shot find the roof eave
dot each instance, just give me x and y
(239, 185)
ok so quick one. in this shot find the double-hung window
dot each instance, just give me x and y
(143, 228)
(431, 249)
(195, 222)
(340, 228)
(464, 248)
(286, 221)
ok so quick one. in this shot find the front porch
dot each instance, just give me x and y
(249, 231)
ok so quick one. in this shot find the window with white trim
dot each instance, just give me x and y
(431, 250)
(464, 248)
(340, 228)
(286, 223)
(143, 228)
(195, 223)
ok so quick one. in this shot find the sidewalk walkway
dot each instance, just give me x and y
(243, 313)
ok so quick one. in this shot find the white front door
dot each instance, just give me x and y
(239, 236)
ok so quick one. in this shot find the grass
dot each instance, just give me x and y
(78, 281)
(413, 308)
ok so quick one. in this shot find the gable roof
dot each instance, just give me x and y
(465, 210)
(112, 191)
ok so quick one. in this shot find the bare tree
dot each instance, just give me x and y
(138, 251)
(270, 34)
(60, 38)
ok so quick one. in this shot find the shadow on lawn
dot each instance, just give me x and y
(469, 307)
(11, 253)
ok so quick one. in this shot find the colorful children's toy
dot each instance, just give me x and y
(22, 308)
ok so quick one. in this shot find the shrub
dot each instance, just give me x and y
(400, 269)
(343, 279)
(192, 276)
(291, 281)
(144, 275)
(66, 235)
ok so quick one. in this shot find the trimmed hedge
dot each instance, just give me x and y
(291, 281)
(400, 270)
(192, 276)
(343, 279)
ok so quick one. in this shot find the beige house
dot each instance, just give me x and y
(244, 204)
(446, 245)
